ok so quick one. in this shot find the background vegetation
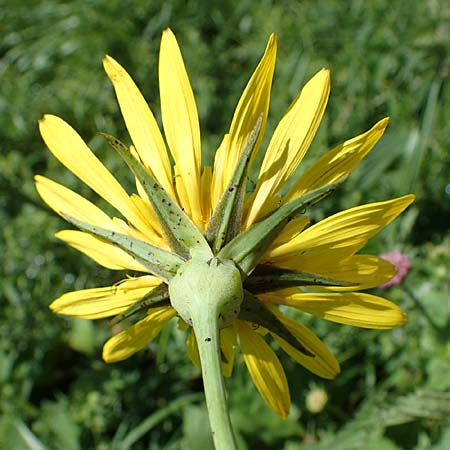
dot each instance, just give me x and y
(387, 58)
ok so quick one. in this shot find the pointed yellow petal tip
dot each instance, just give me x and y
(383, 123)
(112, 68)
(44, 119)
(409, 198)
(50, 120)
(52, 306)
(271, 47)
(106, 355)
(326, 73)
(272, 40)
(168, 32)
(404, 318)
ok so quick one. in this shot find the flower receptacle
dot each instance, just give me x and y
(213, 288)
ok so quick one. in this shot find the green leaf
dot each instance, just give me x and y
(225, 223)
(157, 295)
(159, 262)
(183, 236)
(154, 419)
(253, 310)
(267, 278)
(59, 418)
(29, 440)
(196, 434)
(415, 161)
(247, 248)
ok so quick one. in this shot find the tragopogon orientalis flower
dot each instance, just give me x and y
(216, 256)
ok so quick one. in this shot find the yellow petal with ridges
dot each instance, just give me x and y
(219, 164)
(345, 232)
(65, 201)
(151, 219)
(68, 147)
(292, 229)
(141, 125)
(323, 364)
(182, 191)
(363, 271)
(228, 348)
(103, 253)
(180, 120)
(265, 369)
(254, 102)
(128, 342)
(104, 302)
(206, 195)
(192, 349)
(353, 308)
(337, 162)
(290, 142)
(227, 345)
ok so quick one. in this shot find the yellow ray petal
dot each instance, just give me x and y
(141, 124)
(253, 103)
(291, 230)
(146, 210)
(104, 302)
(228, 347)
(345, 232)
(265, 369)
(180, 120)
(126, 343)
(337, 162)
(64, 200)
(206, 195)
(323, 364)
(180, 188)
(364, 271)
(192, 349)
(68, 147)
(103, 253)
(352, 308)
(290, 142)
(219, 164)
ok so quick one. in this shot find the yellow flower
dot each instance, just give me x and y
(324, 257)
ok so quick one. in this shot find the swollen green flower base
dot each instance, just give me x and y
(220, 259)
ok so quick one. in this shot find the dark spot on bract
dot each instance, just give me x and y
(208, 339)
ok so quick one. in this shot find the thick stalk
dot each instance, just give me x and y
(206, 331)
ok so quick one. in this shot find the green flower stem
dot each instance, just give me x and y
(208, 295)
(206, 331)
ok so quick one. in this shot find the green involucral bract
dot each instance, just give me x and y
(183, 236)
(225, 223)
(159, 262)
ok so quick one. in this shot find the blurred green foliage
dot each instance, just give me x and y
(387, 58)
